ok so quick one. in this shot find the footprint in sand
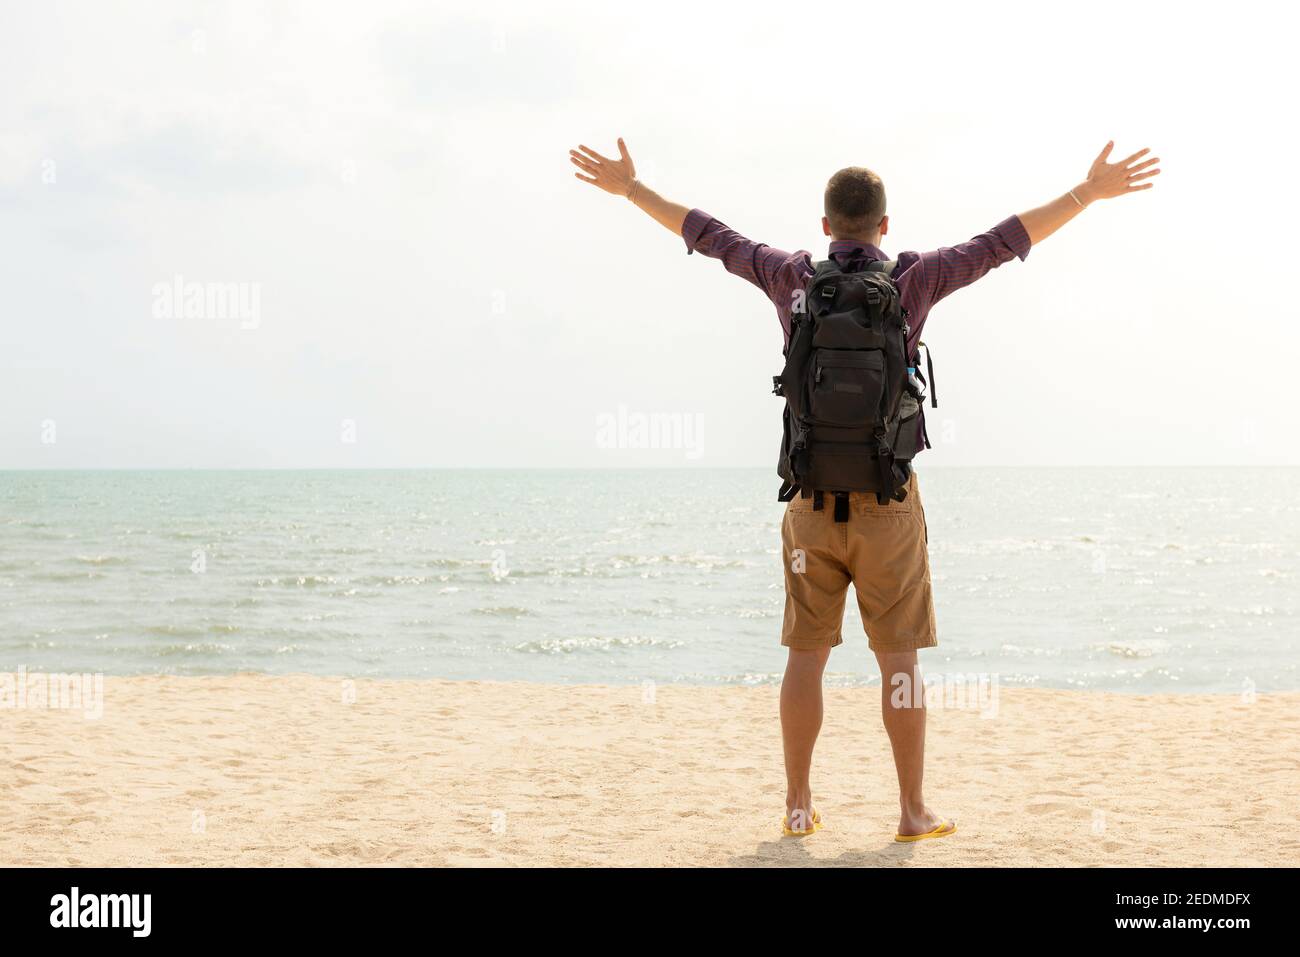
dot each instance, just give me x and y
(1046, 807)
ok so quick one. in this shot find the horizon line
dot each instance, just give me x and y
(587, 468)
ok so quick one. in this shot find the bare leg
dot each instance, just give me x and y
(801, 720)
(905, 725)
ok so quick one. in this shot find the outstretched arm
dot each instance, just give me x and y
(619, 177)
(1104, 181)
(776, 272)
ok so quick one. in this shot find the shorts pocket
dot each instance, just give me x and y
(866, 505)
(868, 508)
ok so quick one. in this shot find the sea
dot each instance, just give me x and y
(1125, 579)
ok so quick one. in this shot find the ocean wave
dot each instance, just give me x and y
(186, 630)
(1138, 648)
(999, 546)
(1022, 651)
(754, 678)
(213, 648)
(505, 611)
(296, 581)
(456, 562)
(565, 646)
(387, 580)
(615, 567)
(425, 623)
(90, 575)
(697, 561)
(567, 571)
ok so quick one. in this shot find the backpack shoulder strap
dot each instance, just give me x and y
(882, 265)
(825, 267)
(823, 271)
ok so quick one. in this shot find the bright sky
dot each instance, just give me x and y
(388, 184)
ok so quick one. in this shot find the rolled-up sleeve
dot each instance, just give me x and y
(693, 228)
(774, 271)
(949, 268)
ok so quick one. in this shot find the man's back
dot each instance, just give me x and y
(923, 279)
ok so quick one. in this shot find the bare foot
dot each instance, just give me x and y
(799, 811)
(918, 820)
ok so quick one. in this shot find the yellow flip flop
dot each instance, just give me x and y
(791, 832)
(942, 829)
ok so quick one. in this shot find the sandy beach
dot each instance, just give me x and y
(267, 771)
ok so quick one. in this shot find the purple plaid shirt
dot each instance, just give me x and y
(922, 278)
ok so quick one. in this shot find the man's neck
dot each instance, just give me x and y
(869, 241)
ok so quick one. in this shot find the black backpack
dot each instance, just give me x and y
(853, 396)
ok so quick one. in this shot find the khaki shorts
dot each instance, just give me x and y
(881, 550)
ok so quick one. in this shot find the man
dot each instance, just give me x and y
(881, 547)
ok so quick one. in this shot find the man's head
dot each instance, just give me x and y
(855, 206)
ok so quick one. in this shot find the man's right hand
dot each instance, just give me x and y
(1104, 181)
(1107, 180)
